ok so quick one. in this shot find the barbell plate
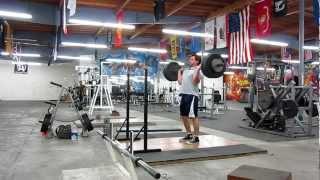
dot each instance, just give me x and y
(314, 110)
(289, 108)
(86, 122)
(46, 123)
(265, 99)
(213, 66)
(170, 72)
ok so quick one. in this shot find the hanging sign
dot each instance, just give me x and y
(21, 68)
(280, 8)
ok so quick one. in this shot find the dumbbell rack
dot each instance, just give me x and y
(83, 117)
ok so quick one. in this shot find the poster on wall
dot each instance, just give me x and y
(21, 68)
(209, 41)
(238, 86)
(118, 71)
(311, 77)
(221, 32)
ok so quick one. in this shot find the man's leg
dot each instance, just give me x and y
(186, 124)
(195, 122)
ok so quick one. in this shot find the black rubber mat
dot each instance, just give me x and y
(166, 157)
(231, 121)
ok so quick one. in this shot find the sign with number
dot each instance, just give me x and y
(21, 68)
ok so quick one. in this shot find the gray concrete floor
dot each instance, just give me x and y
(24, 154)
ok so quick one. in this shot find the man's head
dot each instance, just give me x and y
(194, 60)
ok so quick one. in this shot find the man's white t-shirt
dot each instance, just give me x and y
(187, 87)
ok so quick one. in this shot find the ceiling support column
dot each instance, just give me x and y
(301, 42)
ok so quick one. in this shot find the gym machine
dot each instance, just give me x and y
(101, 90)
(215, 101)
(283, 110)
(47, 123)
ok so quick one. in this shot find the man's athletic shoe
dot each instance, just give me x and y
(194, 140)
(186, 138)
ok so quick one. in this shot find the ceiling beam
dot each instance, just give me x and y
(231, 8)
(120, 7)
(176, 8)
(297, 11)
(179, 6)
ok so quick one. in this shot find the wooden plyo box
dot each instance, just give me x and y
(246, 172)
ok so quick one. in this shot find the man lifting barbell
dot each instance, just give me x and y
(212, 66)
(189, 80)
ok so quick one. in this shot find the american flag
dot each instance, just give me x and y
(239, 37)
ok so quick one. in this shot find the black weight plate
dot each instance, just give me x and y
(213, 66)
(314, 110)
(86, 122)
(46, 123)
(303, 101)
(265, 99)
(289, 107)
(170, 72)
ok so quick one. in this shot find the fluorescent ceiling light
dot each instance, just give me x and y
(228, 73)
(311, 47)
(153, 50)
(15, 14)
(74, 57)
(291, 61)
(103, 24)
(206, 54)
(5, 54)
(87, 45)
(26, 55)
(169, 61)
(21, 54)
(129, 61)
(224, 55)
(268, 69)
(267, 42)
(28, 63)
(186, 33)
(315, 63)
(202, 53)
(237, 67)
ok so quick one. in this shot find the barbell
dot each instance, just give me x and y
(212, 67)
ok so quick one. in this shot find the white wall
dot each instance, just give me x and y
(34, 85)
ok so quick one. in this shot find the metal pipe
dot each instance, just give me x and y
(301, 42)
(138, 161)
(131, 142)
(145, 122)
(128, 103)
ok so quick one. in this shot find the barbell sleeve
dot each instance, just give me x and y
(149, 169)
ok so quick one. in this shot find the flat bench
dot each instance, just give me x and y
(246, 172)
